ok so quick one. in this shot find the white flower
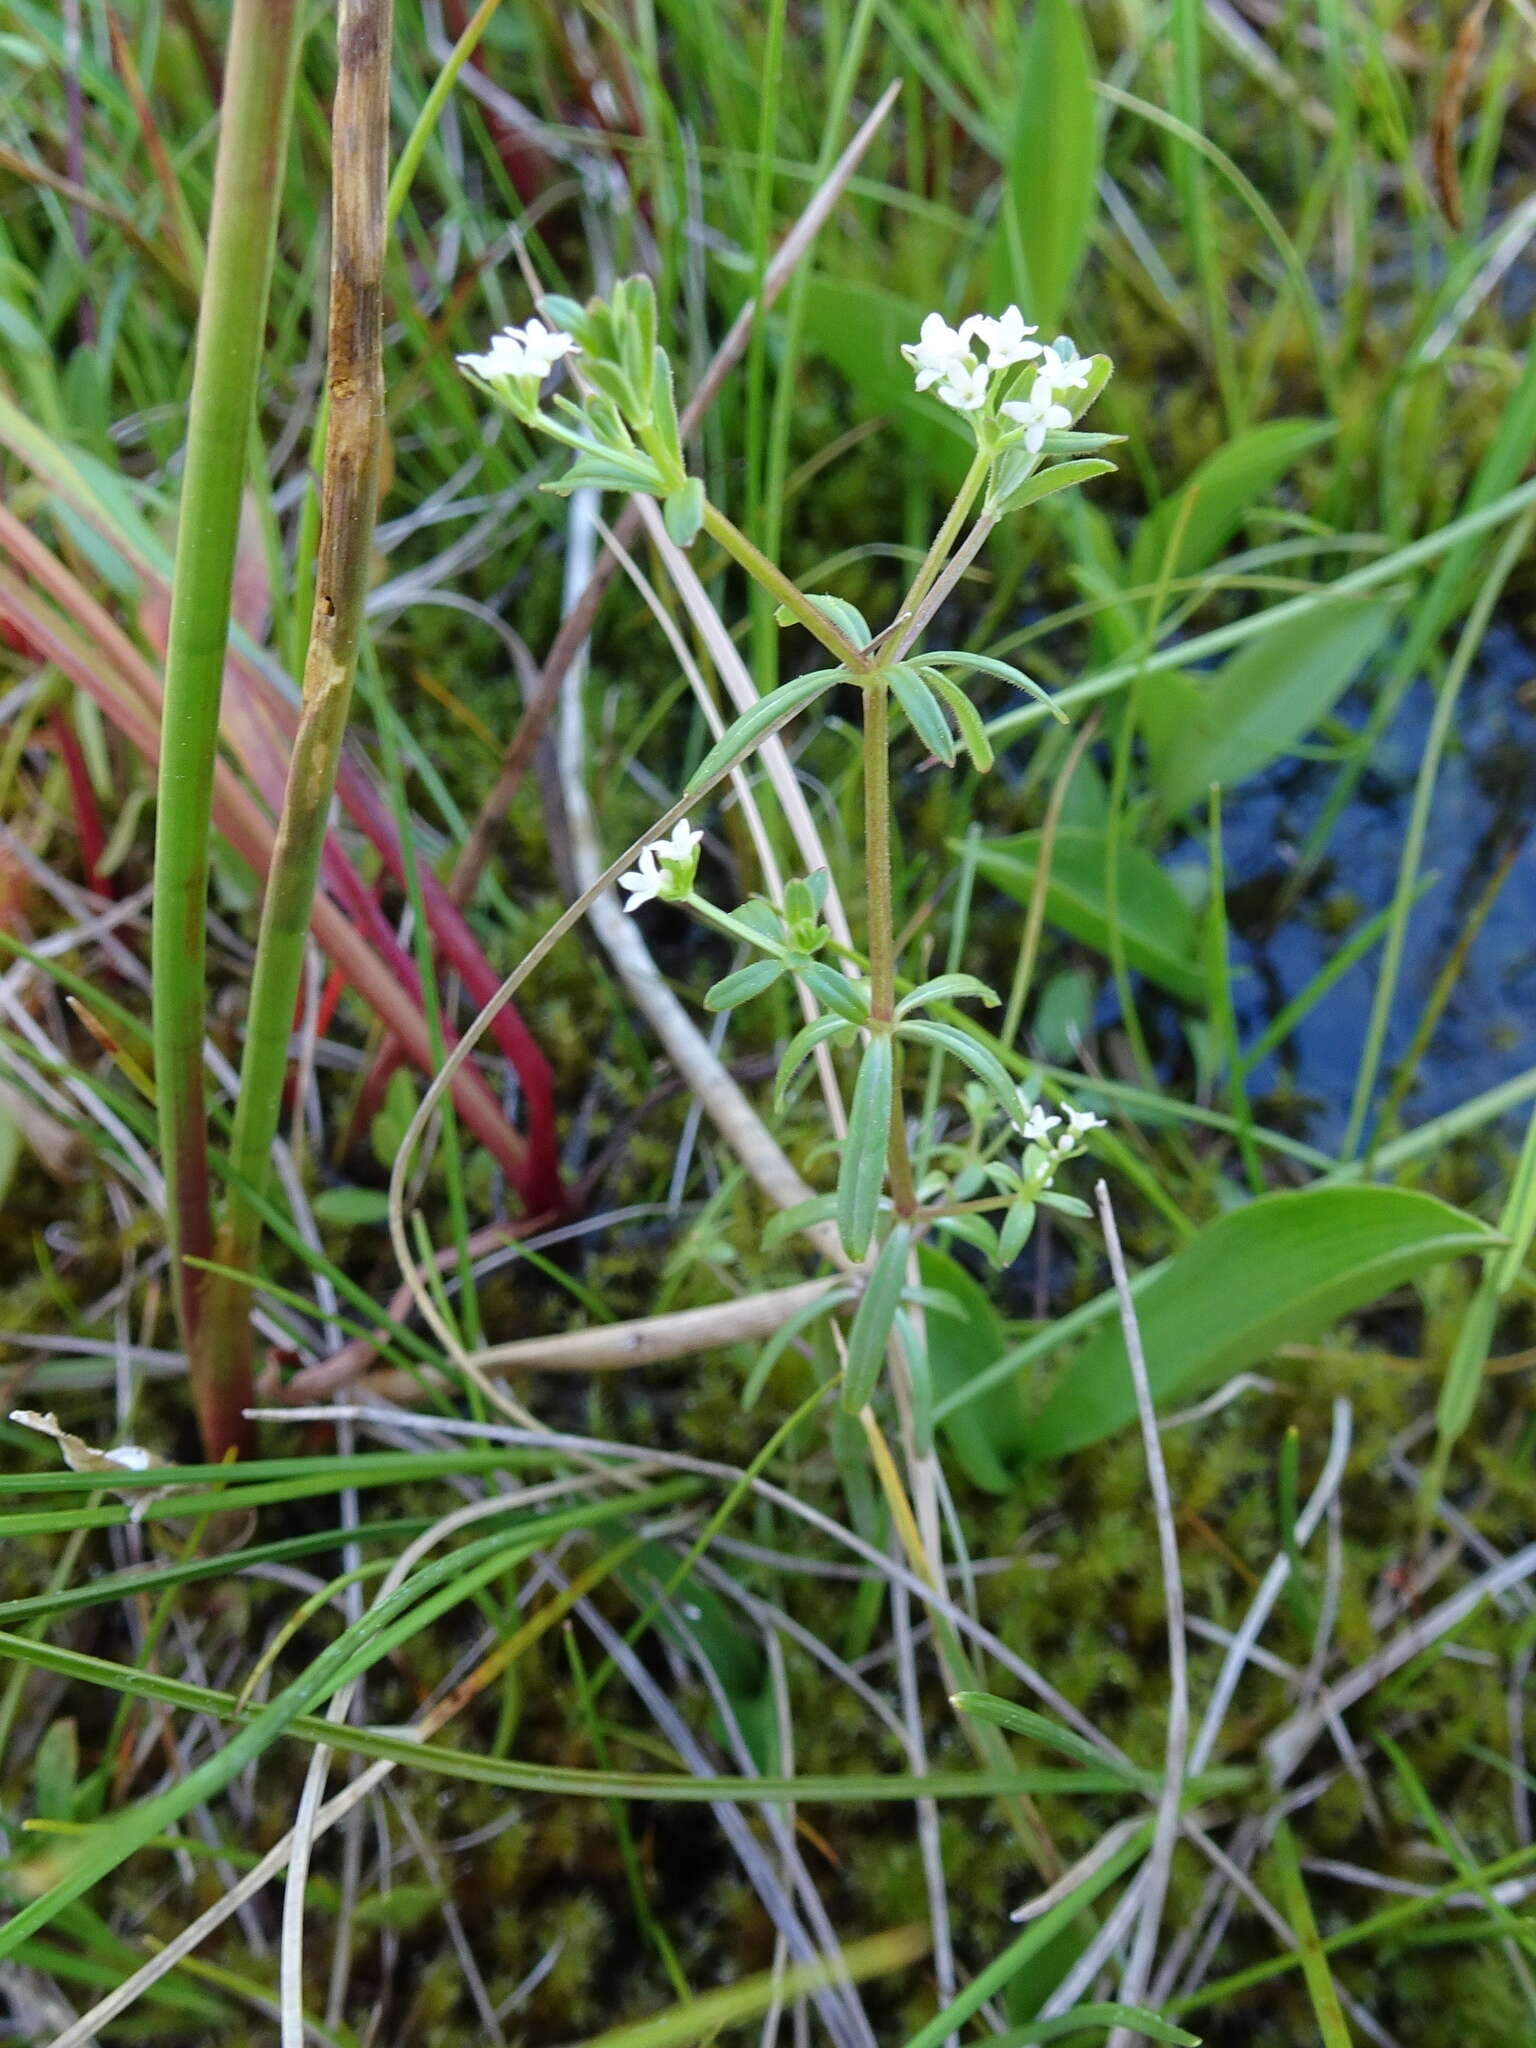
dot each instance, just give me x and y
(938, 348)
(965, 386)
(643, 881)
(1037, 1126)
(1006, 337)
(665, 869)
(1081, 1121)
(520, 352)
(1063, 373)
(1038, 414)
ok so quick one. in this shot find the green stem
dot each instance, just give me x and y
(360, 155)
(779, 586)
(880, 917)
(944, 539)
(252, 151)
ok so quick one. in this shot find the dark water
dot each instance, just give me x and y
(1484, 802)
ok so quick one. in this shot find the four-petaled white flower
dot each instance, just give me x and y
(1037, 1126)
(939, 348)
(665, 869)
(520, 352)
(1062, 373)
(965, 386)
(1081, 1121)
(1038, 414)
(1006, 336)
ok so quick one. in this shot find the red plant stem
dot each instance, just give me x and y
(88, 825)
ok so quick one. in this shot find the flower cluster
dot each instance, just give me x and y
(1037, 1128)
(519, 359)
(949, 362)
(665, 869)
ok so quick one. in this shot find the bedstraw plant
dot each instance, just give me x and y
(1021, 399)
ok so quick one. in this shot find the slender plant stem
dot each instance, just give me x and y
(779, 586)
(355, 388)
(879, 915)
(253, 148)
(943, 541)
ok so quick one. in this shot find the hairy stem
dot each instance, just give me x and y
(253, 147)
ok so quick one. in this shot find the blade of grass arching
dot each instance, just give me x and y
(1223, 1017)
(1034, 919)
(852, 1788)
(349, 492)
(1501, 1272)
(1385, 989)
(432, 1589)
(1457, 538)
(1035, 1939)
(1199, 215)
(1314, 1962)
(248, 181)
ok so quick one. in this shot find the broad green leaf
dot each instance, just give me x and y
(1267, 696)
(989, 1436)
(1279, 1271)
(1050, 161)
(1159, 931)
(1219, 496)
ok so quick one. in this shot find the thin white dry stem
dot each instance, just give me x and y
(774, 756)
(1284, 1749)
(784, 1723)
(1165, 1835)
(1109, 1844)
(926, 1810)
(839, 2004)
(1270, 1589)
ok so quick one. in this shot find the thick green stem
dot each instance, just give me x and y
(355, 391)
(248, 176)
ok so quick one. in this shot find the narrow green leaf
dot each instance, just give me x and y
(873, 1319)
(819, 1031)
(973, 731)
(985, 1065)
(847, 618)
(861, 1175)
(683, 512)
(1042, 483)
(948, 988)
(745, 983)
(1314, 1963)
(924, 712)
(1001, 1713)
(1279, 1271)
(739, 738)
(834, 991)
